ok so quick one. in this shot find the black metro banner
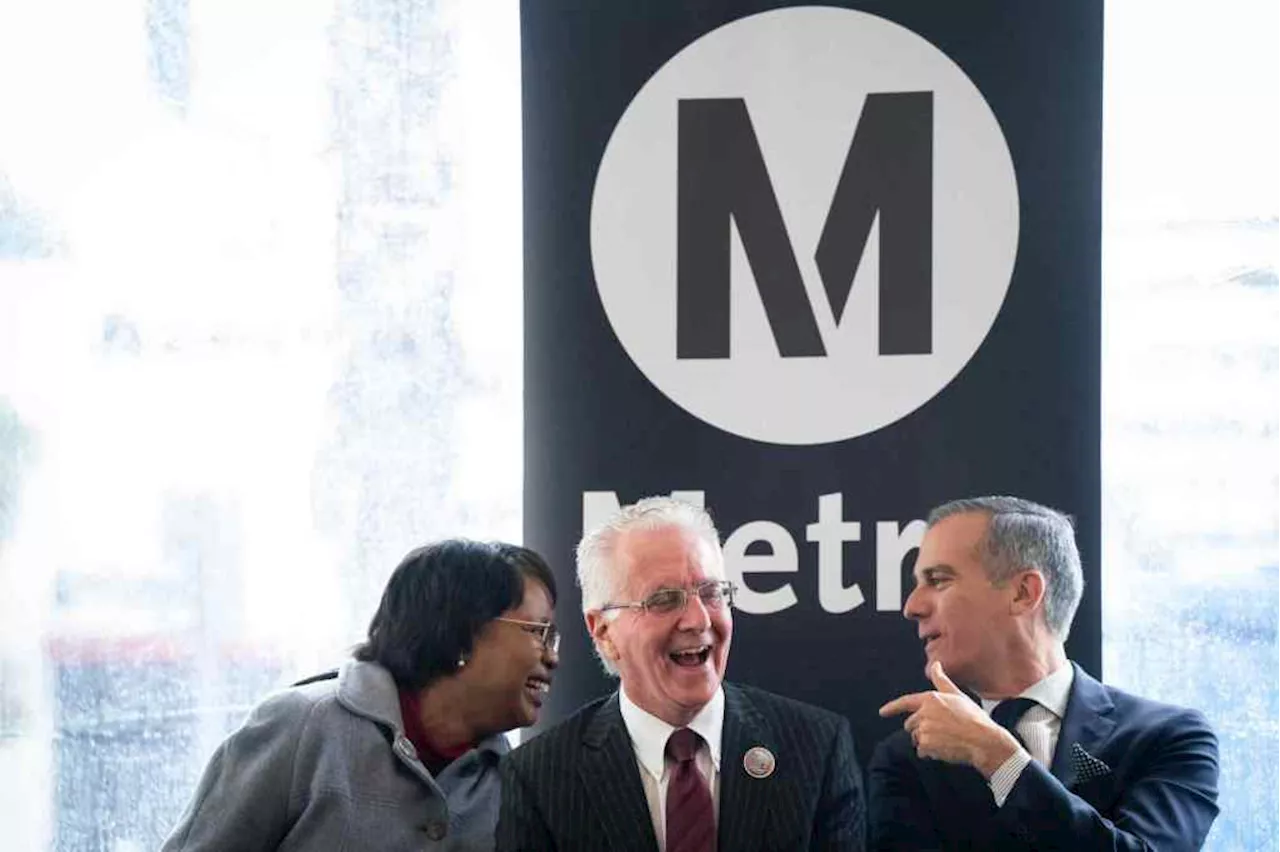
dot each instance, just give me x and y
(818, 268)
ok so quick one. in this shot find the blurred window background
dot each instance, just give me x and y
(1190, 389)
(260, 329)
(260, 334)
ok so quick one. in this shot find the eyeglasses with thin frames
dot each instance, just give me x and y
(714, 594)
(546, 632)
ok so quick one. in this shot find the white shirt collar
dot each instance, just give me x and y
(649, 734)
(1051, 692)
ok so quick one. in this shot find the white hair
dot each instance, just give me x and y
(597, 573)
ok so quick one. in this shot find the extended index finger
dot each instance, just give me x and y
(904, 704)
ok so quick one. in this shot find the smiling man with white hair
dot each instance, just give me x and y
(677, 760)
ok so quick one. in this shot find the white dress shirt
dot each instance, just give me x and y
(1039, 728)
(649, 736)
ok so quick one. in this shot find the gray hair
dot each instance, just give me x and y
(597, 572)
(1022, 534)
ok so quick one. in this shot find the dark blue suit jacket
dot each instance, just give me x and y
(1127, 773)
(577, 786)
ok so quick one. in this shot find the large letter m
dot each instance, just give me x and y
(888, 172)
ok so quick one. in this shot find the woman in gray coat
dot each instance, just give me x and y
(399, 748)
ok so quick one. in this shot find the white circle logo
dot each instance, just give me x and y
(804, 225)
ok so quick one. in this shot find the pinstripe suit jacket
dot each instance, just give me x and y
(577, 786)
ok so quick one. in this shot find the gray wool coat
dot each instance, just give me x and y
(327, 766)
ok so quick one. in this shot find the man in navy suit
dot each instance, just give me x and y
(1047, 757)
(677, 760)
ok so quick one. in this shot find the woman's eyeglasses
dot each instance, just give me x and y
(546, 632)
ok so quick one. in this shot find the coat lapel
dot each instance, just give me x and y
(744, 801)
(612, 779)
(1087, 724)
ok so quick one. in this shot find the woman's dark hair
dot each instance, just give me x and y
(438, 598)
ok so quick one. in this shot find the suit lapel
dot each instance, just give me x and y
(612, 780)
(744, 801)
(1087, 723)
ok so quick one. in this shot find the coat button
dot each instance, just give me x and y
(436, 830)
(405, 748)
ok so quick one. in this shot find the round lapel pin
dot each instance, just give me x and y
(759, 762)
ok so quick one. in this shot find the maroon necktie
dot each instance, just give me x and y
(691, 819)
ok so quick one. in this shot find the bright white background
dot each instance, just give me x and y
(260, 330)
(260, 334)
(1190, 388)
